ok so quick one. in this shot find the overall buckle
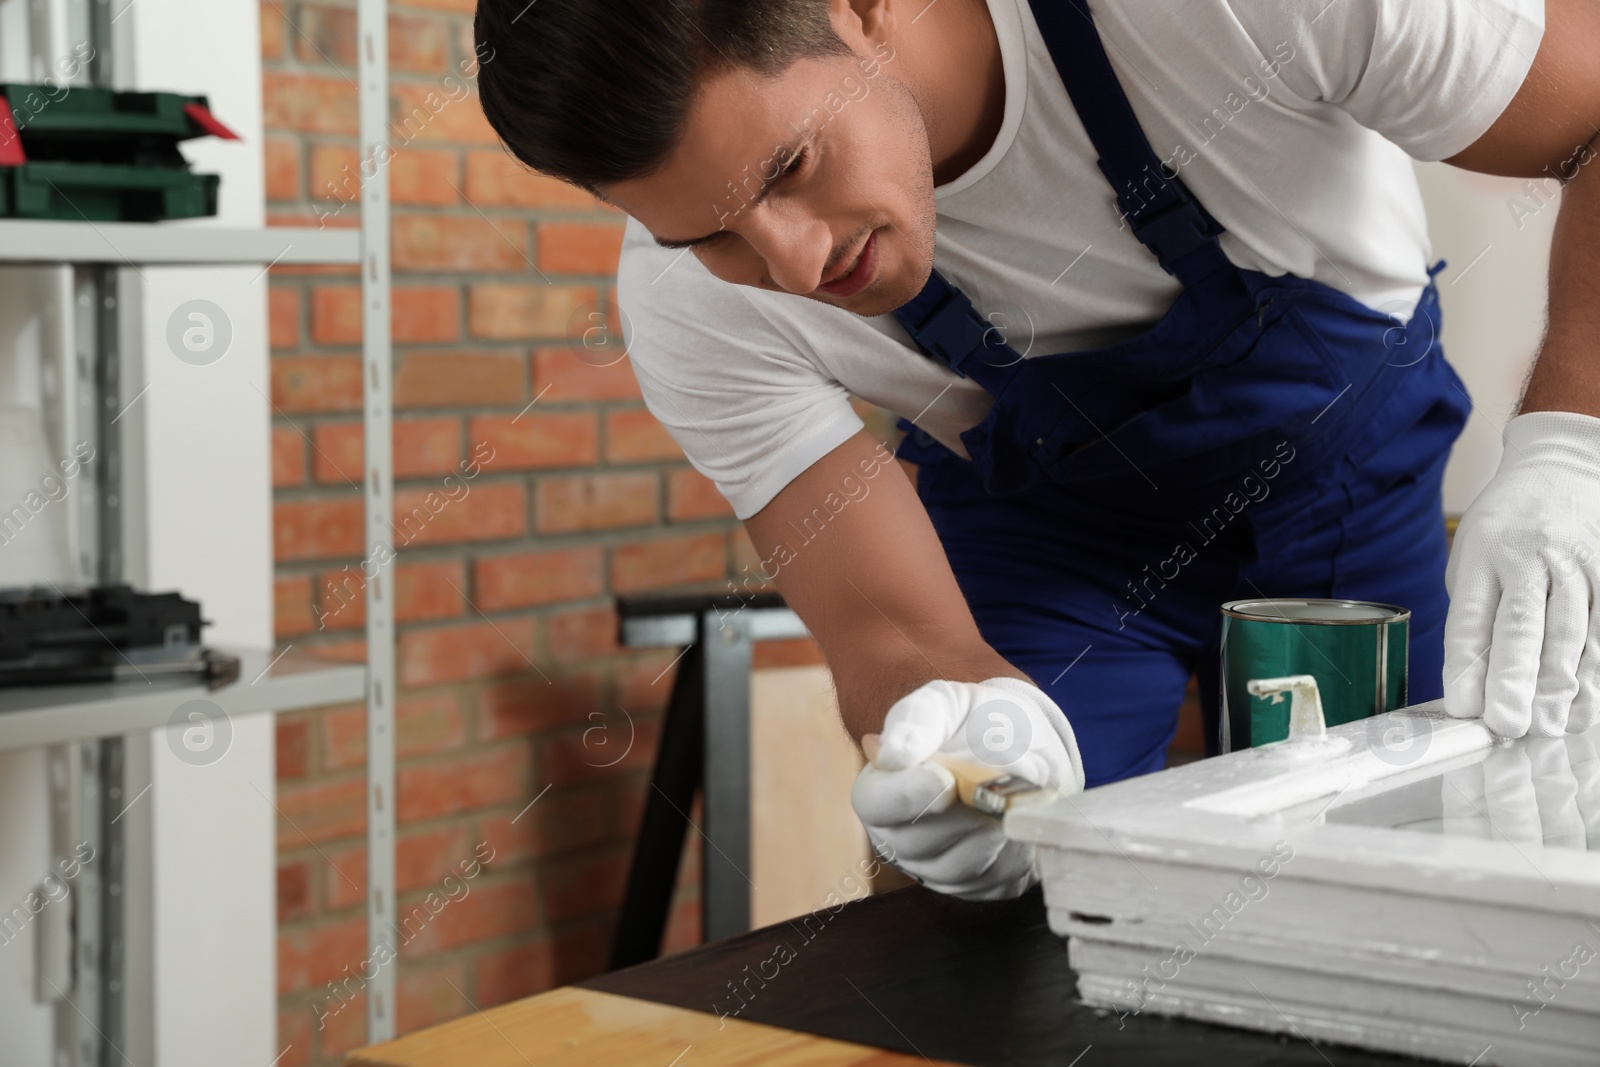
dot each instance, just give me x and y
(1176, 230)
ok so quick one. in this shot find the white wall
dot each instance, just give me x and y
(1493, 304)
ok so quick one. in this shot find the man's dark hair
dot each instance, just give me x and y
(598, 91)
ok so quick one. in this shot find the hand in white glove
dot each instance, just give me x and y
(910, 808)
(1522, 640)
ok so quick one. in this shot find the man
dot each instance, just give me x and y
(1153, 285)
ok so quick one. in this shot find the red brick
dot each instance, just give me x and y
(336, 315)
(529, 578)
(535, 440)
(596, 501)
(283, 317)
(476, 650)
(459, 243)
(425, 176)
(420, 314)
(517, 311)
(579, 247)
(321, 811)
(421, 447)
(583, 885)
(562, 821)
(484, 513)
(341, 1017)
(794, 652)
(308, 103)
(315, 383)
(294, 1032)
(584, 374)
(667, 562)
(294, 891)
(529, 706)
(422, 858)
(326, 35)
(511, 974)
(464, 783)
(288, 457)
(337, 451)
(460, 378)
(496, 179)
(308, 959)
(341, 599)
(485, 912)
(271, 32)
(634, 436)
(426, 315)
(423, 725)
(350, 650)
(291, 606)
(571, 758)
(645, 682)
(691, 495)
(434, 115)
(427, 591)
(581, 635)
(317, 529)
(417, 44)
(335, 173)
(426, 996)
(684, 925)
(282, 165)
(293, 747)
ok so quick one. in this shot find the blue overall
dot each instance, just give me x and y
(1270, 436)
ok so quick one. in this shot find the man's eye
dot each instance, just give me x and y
(795, 164)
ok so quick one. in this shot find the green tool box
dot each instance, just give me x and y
(102, 155)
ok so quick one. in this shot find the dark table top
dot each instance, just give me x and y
(983, 984)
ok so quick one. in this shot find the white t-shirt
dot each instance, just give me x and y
(1290, 120)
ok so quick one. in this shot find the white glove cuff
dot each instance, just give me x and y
(1055, 717)
(1565, 434)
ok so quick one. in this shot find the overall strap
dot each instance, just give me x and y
(1164, 215)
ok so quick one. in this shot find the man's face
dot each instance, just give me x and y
(847, 148)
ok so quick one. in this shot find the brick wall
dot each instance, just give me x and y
(507, 660)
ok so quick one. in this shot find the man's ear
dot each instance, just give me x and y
(872, 20)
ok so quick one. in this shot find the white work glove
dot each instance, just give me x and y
(911, 809)
(1522, 640)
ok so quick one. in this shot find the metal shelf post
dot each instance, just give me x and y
(372, 30)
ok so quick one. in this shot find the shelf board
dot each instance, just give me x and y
(50, 714)
(116, 243)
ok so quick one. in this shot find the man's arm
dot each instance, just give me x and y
(858, 560)
(1551, 128)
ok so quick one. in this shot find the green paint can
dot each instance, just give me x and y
(1357, 651)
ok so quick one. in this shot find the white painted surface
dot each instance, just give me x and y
(24, 860)
(204, 465)
(1297, 915)
(1492, 299)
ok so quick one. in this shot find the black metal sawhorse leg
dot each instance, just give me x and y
(705, 742)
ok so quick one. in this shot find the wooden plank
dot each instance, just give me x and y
(571, 1027)
(807, 839)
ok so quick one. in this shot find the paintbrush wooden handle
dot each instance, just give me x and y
(978, 785)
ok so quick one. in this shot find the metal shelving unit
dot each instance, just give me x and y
(56, 714)
(27, 241)
(86, 723)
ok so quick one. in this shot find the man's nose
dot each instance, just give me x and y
(795, 250)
